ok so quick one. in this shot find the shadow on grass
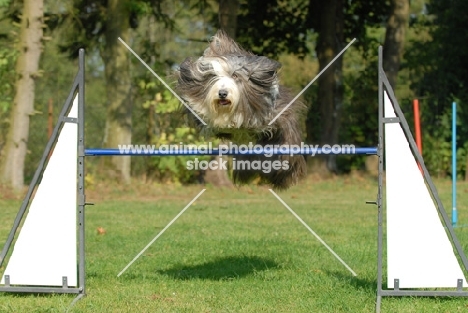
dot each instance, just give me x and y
(359, 283)
(225, 268)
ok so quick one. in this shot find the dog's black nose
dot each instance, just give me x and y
(222, 93)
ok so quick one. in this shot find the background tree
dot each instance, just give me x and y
(97, 26)
(397, 25)
(228, 10)
(115, 55)
(329, 21)
(164, 33)
(336, 22)
(27, 71)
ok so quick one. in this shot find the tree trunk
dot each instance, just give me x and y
(228, 16)
(27, 65)
(395, 39)
(118, 88)
(330, 85)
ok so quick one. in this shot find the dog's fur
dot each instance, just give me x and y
(237, 94)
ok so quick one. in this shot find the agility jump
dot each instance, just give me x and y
(413, 264)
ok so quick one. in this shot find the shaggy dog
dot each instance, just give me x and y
(237, 94)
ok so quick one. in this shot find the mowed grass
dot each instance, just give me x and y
(233, 250)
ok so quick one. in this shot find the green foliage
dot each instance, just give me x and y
(273, 27)
(165, 108)
(157, 116)
(4, 3)
(362, 16)
(166, 32)
(437, 146)
(164, 126)
(360, 109)
(437, 63)
(7, 75)
(8, 57)
(86, 26)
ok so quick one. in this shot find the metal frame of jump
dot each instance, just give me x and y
(78, 88)
(385, 87)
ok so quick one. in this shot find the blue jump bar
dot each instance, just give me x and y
(215, 151)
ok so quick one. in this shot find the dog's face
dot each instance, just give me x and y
(223, 93)
(229, 87)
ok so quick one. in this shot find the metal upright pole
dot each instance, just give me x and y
(81, 175)
(379, 191)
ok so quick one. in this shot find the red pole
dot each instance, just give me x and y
(417, 127)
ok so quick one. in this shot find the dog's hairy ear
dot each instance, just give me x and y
(262, 70)
(185, 74)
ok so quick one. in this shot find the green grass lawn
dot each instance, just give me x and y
(234, 250)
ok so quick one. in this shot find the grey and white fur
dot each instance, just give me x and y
(237, 94)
